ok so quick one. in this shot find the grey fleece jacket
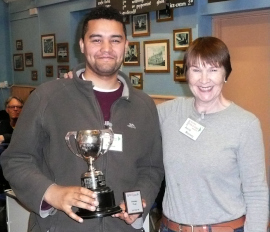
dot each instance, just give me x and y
(38, 155)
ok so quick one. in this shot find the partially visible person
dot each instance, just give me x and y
(45, 174)
(213, 152)
(13, 107)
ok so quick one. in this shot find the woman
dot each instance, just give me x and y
(213, 152)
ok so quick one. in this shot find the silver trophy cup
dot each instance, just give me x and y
(90, 145)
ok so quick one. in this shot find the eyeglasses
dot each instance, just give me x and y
(13, 107)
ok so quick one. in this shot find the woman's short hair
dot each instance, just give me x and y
(13, 97)
(208, 50)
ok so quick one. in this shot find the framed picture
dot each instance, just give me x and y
(28, 59)
(34, 75)
(18, 62)
(140, 25)
(61, 70)
(62, 52)
(19, 44)
(49, 71)
(164, 15)
(126, 19)
(48, 46)
(136, 80)
(132, 57)
(157, 56)
(182, 39)
(178, 71)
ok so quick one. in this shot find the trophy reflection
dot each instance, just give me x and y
(90, 145)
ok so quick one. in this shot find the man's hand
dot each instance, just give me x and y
(68, 75)
(64, 198)
(2, 139)
(129, 219)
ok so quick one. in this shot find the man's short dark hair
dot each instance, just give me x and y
(103, 12)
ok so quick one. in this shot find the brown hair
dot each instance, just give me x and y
(208, 50)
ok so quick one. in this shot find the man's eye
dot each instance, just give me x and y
(96, 40)
(116, 41)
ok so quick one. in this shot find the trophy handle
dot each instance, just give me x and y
(74, 133)
(103, 134)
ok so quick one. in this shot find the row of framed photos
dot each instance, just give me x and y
(157, 51)
(141, 23)
(61, 70)
(136, 78)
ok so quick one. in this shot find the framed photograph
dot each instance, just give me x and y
(157, 56)
(62, 52)
(34, 75)
(164, 15)
(132, 57)
(136, 80)
(178, 71)
(126, 19)
(19, 44)
(49, 71)
(182, 38)
(140, 25)
(18, 62)
(28, 59)
(48, 46)
(61, 70)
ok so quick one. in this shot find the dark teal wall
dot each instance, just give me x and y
(5, 54)
(62, 18)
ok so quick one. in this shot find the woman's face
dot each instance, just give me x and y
(206, 82)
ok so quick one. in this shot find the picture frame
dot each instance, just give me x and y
(126, 19)
(28, 57)
(62, 52)
(19, 44)
(140, 25)
(34, 75)
(178, 74)
(48, 46)
(164, 15)
(157, 56)
(136, 79)
(18, 63)
(132, 56)
(61, 70)
(49, 71)
(182, 38)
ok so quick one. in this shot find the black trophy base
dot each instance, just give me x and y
(86, 214)
(106, 207)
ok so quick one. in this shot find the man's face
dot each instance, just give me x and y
(14, 108)
(104, 46)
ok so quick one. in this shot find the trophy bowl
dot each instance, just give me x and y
(90, 145)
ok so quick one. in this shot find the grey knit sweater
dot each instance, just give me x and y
(220, 176)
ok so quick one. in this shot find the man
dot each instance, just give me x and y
(45, 174)
(13, 107)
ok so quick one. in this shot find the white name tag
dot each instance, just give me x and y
(117, 144)
(191, 129)
(133, 201)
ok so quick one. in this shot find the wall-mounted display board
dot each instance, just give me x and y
(129, 7)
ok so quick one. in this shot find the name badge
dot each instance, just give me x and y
(192, 129)
(133, 201)
(117, 144)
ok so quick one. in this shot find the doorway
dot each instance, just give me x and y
(247, 36)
